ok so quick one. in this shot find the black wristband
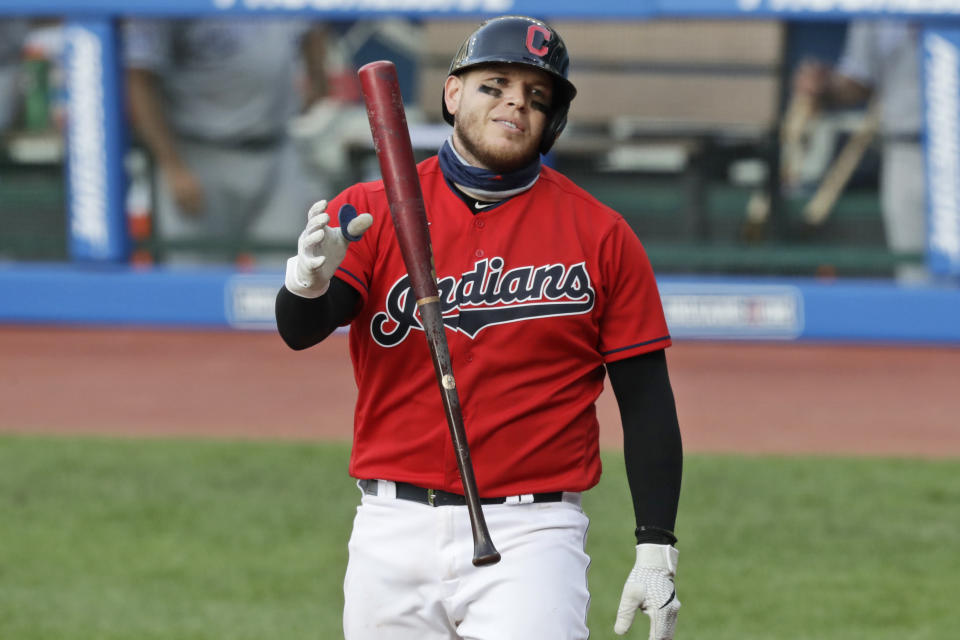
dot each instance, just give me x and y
(655, 535)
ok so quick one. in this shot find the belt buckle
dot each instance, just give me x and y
(430, 497)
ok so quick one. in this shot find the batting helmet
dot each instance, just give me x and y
(526, 41)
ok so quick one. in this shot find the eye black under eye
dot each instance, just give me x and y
(496, 93)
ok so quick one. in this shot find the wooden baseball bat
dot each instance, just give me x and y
(797, 118)
(391, 140)
(837, 176)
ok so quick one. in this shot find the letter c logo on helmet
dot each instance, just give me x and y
(520, 40)
(532, 32)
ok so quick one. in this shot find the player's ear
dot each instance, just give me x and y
(452, 91)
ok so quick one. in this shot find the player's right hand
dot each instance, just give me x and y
(320, 248)
(650, 588)
(810, 79)
(186, 190)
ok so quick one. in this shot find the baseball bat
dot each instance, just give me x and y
(796, 120)
(839, 173)
(391, 141)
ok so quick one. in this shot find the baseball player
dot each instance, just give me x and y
(210, 98)
(543, 290)
(881, 59)
(13, 33)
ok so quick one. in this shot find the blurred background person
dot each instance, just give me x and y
(332, 132)
(13, 34)
(880, 61)
(210, 100)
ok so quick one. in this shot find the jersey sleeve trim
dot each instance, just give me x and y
(665, 338)
(358, 280)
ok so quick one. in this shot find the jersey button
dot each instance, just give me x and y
(479, 224)
(479, 253)
(469, 357)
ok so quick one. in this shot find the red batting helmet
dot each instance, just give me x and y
(526, 41)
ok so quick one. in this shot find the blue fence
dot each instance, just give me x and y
(701, 308)
(599, 9)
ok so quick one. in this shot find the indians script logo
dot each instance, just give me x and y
(488, 296)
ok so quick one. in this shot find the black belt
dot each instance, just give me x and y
(903, 138)
(440, 498)
(259, 143)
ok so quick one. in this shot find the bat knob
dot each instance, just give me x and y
(484, 554)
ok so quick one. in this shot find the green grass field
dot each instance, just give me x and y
(188, 539)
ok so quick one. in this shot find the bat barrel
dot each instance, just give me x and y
(391, 140)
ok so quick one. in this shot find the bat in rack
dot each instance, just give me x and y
(838, 174)
(391, 140)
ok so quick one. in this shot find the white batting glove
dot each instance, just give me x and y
(650, 588)
(320, 249)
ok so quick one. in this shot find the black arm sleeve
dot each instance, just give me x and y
(652, 447)
(303, 322)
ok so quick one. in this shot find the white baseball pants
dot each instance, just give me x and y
(410, 575)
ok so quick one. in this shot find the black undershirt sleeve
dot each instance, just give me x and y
(303, 322)
(652, 447)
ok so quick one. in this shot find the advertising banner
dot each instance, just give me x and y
(810, 9)
(599, 9)
(941, 92)
(97, 223)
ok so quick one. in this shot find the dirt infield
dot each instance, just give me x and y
(732, 397)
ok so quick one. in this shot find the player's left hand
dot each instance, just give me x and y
(650, 588)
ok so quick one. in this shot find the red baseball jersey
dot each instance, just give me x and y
(538, 292)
